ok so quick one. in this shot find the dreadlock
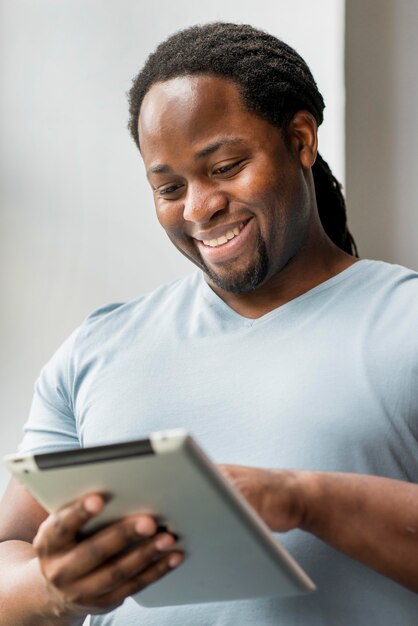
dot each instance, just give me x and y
(274, 83)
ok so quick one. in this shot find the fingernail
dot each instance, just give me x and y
(93, 504)
(143, 527)
(164, 541)
(175, 559)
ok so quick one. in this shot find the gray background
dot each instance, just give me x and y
(77, 222)
(382, 128)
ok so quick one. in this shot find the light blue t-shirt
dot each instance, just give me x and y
(328, 381)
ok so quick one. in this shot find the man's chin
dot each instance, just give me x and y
(244, 281)
(238, 280)
(233, 284)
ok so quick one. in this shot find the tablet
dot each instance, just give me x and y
(230, 553)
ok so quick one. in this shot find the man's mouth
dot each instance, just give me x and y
(221, 234)
(228, 244)
(220, 241)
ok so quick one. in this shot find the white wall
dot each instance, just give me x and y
(77, 222)
(382, 128)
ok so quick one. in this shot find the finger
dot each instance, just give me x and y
(118, 571)
(226, 470)
(94, 551)
(60, 528)
(156, 570)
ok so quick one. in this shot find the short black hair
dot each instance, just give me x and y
(274, 82)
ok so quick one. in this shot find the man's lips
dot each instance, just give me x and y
(218, 231)
(231, 248)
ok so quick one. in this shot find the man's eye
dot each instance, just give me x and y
(167, 190)
(228, 168)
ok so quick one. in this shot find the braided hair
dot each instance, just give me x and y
(274, 83)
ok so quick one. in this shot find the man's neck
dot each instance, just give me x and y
(296, 278)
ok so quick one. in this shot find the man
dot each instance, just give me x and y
(282, 351)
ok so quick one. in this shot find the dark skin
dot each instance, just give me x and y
(47, 577)
(223, 168)
(201, 190)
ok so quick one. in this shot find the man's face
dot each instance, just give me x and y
(230, 194)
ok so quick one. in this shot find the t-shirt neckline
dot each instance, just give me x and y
(226, 311)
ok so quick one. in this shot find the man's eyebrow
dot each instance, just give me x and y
(159, 169)
(209, 149)
(212, 147)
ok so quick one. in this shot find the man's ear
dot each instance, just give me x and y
(303, 138)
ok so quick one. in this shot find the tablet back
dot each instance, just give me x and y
(229, 552)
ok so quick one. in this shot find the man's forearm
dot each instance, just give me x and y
(369, 518)
(23, 597)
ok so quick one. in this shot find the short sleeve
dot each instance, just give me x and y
(51, 424)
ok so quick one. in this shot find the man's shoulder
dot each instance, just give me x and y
(167, 298)
(375, 295)
(384, 277)
(389, 302)
(381, 277)
(385, 269)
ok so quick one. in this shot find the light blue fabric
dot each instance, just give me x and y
(328, 382)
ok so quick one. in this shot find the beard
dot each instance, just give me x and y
(236, 281)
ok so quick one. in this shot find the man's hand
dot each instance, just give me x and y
(96, 574)
(370, 518)
(274, 494)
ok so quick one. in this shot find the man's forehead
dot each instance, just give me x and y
(185, 88)
(185, 119)
(196, 100)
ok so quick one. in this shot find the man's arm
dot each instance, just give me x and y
(23, 593)
(371, 519)
(49, 578)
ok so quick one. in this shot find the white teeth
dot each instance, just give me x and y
(213, 243)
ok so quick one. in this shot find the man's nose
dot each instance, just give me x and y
(202, 202)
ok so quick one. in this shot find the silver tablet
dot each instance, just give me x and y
(230, 553)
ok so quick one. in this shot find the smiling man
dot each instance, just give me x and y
(283, 353)
(235, 194)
